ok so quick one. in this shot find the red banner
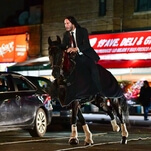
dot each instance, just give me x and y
(13, 48)
(126, 46)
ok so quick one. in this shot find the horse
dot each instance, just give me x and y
(62, 67)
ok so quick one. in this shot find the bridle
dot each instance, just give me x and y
(52, 50)
(56, 57)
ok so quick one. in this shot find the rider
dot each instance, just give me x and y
(86, 75)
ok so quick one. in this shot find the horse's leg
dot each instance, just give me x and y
(102, 104)
(119, 113)
(108, 109)
(88, 134)
(74, 134)
(114, 124)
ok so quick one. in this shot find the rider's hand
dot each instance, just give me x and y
(72, 50)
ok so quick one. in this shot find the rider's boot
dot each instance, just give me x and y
(88, 135)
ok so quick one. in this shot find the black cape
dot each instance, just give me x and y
(81, 86)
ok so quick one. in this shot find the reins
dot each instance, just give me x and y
(67, 65)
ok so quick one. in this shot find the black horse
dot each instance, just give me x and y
(62, 67)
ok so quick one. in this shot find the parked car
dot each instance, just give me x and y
(59, 114)
(23, 105)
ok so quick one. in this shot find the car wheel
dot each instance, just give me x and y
(40, 124)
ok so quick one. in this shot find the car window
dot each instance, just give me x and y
(42, 83)
(3, 84)
(22, 84)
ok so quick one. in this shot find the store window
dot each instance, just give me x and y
(102, 7)
(142, 5)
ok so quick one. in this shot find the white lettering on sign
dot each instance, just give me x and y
(4, 48)
(108, 43)
(129, 41)
(147, 41)
(140, 41)
(132, 42)
(101, 42)
(112, 42)
(20, 54)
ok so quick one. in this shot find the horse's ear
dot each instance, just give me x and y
(58, 39)
(49, 40)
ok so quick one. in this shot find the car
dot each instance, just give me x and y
(59, 113)
(23, 105)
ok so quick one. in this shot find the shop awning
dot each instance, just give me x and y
(41, 63)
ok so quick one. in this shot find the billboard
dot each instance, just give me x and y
(13, 48)
(126, 49)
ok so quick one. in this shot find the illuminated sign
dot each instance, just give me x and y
(126, 46)
(13, 48)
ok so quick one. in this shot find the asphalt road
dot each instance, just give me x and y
(56, 139)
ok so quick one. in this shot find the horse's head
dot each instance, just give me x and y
(55, 56)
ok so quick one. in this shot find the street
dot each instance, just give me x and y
(56, 139)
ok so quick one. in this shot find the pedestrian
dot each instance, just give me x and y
(86, 74)
(145, 98)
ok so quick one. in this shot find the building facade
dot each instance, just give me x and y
(99, 16)
(44, 18)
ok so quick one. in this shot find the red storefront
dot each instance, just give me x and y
(127, 55)
(123, 50)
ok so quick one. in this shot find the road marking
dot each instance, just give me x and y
(99, 144)
(42, 139)
(74, 148)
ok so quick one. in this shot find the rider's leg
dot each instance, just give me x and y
(95, 74)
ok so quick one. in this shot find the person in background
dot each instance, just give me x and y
(145, 98)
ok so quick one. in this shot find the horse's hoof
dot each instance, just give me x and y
(73, 141)
(87, 144)
(124, 140)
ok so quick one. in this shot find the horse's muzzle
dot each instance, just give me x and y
(56, 73)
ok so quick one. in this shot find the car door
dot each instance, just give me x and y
(9, 110)
(27, 99)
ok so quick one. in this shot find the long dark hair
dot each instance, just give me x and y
(73, 21)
